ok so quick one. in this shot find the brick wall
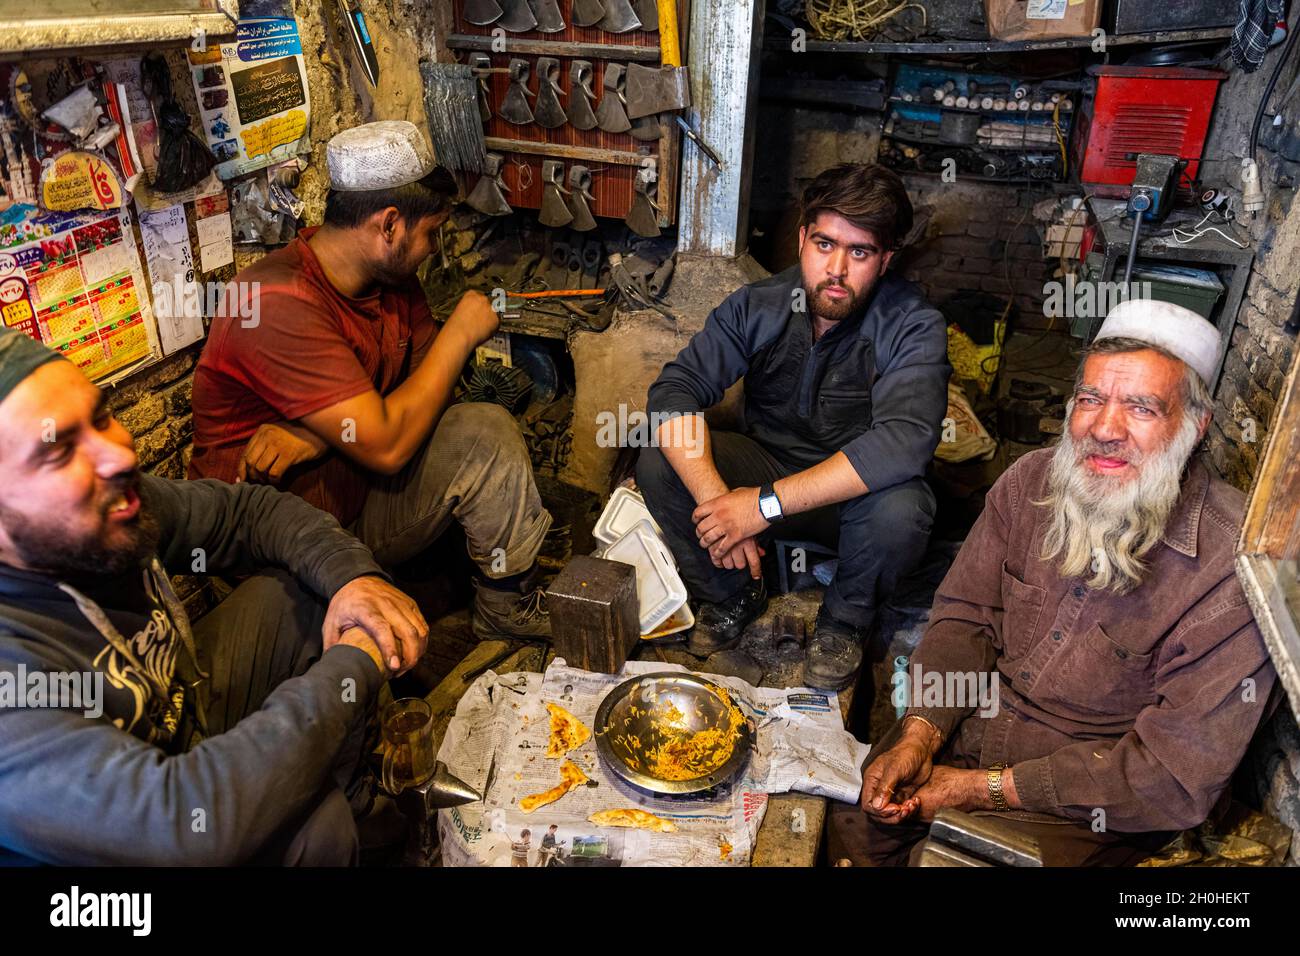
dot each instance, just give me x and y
(982, 237)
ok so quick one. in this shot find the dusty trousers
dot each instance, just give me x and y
(474, 470)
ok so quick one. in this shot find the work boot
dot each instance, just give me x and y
(720, 626)
(507, 613)
(834, 653)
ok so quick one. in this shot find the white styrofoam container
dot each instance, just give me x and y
(659, 588)
(682, 619)
(624, 509)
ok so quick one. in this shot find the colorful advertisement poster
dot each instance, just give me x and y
(75, 282)
(253, 98)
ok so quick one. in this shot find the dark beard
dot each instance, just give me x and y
(394, 272)
(831, 311)
(48, 550)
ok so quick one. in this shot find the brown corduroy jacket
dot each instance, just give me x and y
(1140, 705)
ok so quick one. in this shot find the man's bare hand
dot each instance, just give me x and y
(890, 782)
(745, 556)
(950, 787)
(473, 320)
(390, 618)
(725, 521)
(355, 637)
(274, 449)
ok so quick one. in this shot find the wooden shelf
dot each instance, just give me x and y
(600, 51)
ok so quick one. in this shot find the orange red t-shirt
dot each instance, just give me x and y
(310, 348)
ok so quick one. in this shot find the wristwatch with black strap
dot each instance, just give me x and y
(769, 505)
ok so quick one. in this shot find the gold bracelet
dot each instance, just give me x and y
(995, 787)
(929, 723)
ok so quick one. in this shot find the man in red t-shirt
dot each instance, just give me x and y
(324, 374)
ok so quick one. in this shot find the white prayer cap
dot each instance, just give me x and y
(1178, 330)
(381, 155)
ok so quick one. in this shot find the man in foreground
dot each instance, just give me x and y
(846, 372)
(1097, 588)
(164, 744)
(340, 389)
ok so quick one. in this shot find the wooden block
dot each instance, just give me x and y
(594, 614)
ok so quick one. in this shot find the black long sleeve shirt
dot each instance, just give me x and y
(873, 387)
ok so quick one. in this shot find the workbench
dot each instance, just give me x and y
(791, 832)
(1114, 231)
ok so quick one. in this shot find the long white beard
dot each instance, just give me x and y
(1107, 527)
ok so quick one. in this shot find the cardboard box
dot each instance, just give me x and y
(1041, 19)
(1063, 239)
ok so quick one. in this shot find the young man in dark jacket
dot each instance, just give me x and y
(846, 373)
(128, 736)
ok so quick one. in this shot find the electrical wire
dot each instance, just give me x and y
(1185, 236)
(1268, 90)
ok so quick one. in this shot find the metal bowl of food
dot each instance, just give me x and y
(672, 733)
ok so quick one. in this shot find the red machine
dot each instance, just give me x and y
(1143, 109)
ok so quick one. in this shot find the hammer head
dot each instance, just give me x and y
(656, 89)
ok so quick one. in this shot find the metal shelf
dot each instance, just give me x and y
(777, 43)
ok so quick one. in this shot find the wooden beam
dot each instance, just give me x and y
(561, 151)
(724, 37)
(599, 51)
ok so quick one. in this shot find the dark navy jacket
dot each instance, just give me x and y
(874, 387)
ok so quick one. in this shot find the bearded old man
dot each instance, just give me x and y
(846, 373)
(1098, 588)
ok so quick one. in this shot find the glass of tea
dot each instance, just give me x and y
(408, 744)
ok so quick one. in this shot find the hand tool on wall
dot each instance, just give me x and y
(488, 195)
(587, 13)
(619, 17)
(668, 87)
(452, 110)
(481, 64)
(482, 12)
(549, 111)
(575, 266)
(548, 16)
(646, 127)
(361, 45)
(581, 96)
(592, 256)
(643, 217)
(555, 211)
(517, 16)
(647, 11)
(694, 137)
(515, 108)
(580, 198)
(611, 114)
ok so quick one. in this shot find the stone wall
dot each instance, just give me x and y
(1261, 352)
(1260, 355)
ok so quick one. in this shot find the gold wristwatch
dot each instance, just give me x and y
(995, 787)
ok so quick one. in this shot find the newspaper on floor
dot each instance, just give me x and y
(497, 742)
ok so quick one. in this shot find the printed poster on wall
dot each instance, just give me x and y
(75, 282)
(253, 98)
